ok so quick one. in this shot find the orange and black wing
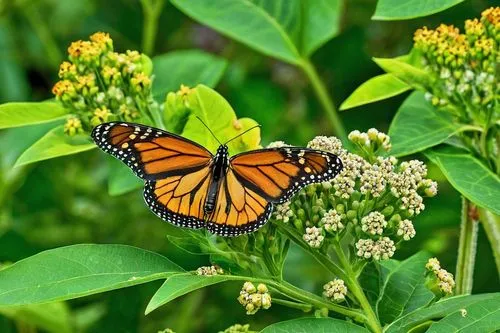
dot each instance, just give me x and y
(276, 174)
(257, 179)
(238, 209)
(150, 152)
(177, 171)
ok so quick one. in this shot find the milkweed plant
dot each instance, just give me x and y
(352, 226)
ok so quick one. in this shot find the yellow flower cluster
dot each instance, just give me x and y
(464, 65)
(100, 85)
(440, 281)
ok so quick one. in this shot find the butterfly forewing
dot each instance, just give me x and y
(278, 173)
(151, 153)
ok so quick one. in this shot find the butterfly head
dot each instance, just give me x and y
(222, 150)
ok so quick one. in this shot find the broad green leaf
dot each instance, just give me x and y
(80, 270)
(316, 325)
(374, 276)
(408, 9)
(245, 22)
(442, 309)
(121, 179)
(375, 89)
(469, 176)
(404, 71)
(54, 144)
(478, 317)
(418, 126)
(181, 284)
(404, 289)
(218, 115)
(51, 317)
(28, 113)
(321, 22)
(188, 67)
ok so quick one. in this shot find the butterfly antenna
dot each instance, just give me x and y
(208, 128)
(248, 130)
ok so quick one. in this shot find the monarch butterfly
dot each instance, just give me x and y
(188, 186)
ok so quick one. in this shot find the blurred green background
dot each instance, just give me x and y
(65, 200)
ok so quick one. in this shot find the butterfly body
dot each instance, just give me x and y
(221, 163)
(185, 184)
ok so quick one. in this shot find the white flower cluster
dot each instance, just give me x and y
(381, 249)
(371, 139)
(406, 230)
(209, 270)
(314, 236)
(331, 221)
(374, 223)
(335, 290)
(446, 282)
(330, 144)
(283, 212)
(253, 298)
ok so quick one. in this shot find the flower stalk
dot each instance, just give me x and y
(469, 226)
(324, 98)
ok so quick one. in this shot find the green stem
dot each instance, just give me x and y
(466, 248)
(41, 29)
(491, 225)
(355, 288)
(293, 305)
(324, 98)
(152, 10)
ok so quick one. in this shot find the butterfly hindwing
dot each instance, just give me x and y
(278, 173)
(238, 209)
(151, 153)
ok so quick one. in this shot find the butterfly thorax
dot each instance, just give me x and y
(221, 163)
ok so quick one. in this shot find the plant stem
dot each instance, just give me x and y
(466, 248)
(491, 225)
(152, 10)
(355, 288)
(324, 98)
(294, 305)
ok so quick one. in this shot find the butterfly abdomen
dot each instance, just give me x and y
(219, 171)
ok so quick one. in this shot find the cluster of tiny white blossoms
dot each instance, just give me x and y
(444, 279)
(209, 270)
(335, 290)
(99, 85)
(253, 298)
(374, 198)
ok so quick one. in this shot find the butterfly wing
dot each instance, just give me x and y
(257, 179)
(176, 170)
(151, 153)
(278, 173)
(238, 209)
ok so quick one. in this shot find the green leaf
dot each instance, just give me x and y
(444, 308)
(80, 270)
(316, 325)
(480, 317)
(418, 126)
(188, 67)
(218, 115)
(54, 144)
(26, 113)
(469, 176)
(375, 89)
(51, 317)
(121, 179)
(404, 289)
(259, 30)
(181, 284)
(321, 23)
(404, 70)
(388, 10)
